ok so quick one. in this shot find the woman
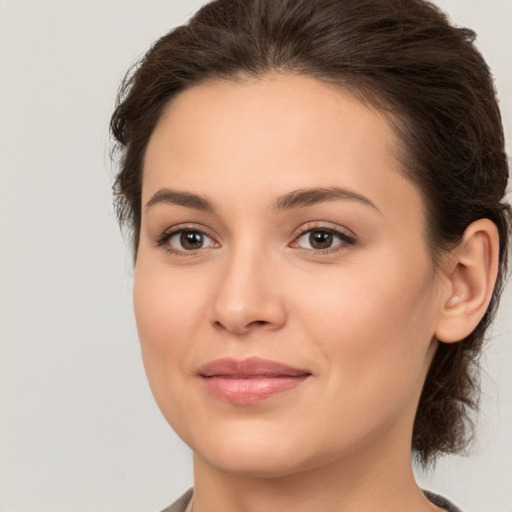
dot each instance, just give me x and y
(315, 192)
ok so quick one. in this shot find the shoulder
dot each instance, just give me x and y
(181, 504)
(441, 502)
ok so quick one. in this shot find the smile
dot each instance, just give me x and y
(251, 380)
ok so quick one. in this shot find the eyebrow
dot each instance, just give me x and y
(186, 199)
(296, 199)
(310, 196)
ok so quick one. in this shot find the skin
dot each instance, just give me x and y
(360, 317)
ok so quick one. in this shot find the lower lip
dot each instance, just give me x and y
(250, 390)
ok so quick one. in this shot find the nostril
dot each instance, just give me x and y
(257, 322)
(241, 313)
(218, 324)
(240, 328)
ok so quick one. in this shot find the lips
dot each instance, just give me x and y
(249, 381)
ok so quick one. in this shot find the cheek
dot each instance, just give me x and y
(363, 302)
(167, 311)
(164, 305)
(372, 324)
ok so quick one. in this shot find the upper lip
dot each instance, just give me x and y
(251, 367)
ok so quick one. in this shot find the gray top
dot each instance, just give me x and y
(441, 502)
(181, 504)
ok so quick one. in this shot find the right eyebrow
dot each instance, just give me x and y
(186, 199)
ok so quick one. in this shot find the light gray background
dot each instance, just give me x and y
(79, 429)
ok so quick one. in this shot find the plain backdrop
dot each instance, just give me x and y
(79, 429)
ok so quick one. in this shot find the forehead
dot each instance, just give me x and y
(298, 109)
(270, 134)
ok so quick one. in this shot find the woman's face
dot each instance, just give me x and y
(284, 295)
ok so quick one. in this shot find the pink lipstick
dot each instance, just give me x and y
(249, 381)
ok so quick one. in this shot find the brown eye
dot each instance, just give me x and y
(189, 240)
(323, 239)
(320, 239)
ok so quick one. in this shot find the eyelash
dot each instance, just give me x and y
(164, 239)
(344, 240)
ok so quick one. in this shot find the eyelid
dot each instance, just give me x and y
(346, 235)
(326, 225)
(172, 231)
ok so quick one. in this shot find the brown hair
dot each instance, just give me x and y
(402, 56)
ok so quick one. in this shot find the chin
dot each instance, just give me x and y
(255, 463)
(259, 452)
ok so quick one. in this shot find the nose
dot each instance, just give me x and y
(247, 296)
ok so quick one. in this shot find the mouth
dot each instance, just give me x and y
(250, 381)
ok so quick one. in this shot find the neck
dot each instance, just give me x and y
(350, 485)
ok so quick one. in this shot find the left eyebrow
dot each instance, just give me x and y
(310, 196)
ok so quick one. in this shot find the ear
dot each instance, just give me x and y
(470, 269)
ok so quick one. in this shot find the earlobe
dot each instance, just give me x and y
(471, 270)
